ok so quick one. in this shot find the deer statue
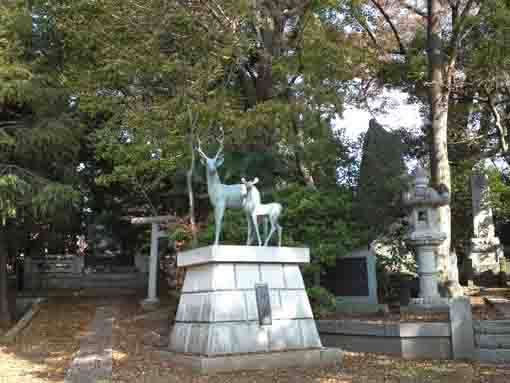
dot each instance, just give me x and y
(221, 196)
(254, 208)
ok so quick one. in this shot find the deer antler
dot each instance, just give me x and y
(199, 148)
(221, 141)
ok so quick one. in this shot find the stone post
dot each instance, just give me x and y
(152, 296)
(461, 324)
(153, 266)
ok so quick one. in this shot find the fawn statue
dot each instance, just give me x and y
(254, 208)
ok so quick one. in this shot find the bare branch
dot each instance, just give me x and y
(221, 142)
(392, 26)
(501, 129)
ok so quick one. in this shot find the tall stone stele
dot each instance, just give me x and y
(486, 249)
(425, 235)
(382, 165)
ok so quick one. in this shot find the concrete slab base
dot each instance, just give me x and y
(150, 304)
(360, 308)
(322, 357)
(494, 355)
(419, 307)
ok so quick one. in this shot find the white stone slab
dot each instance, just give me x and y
(293, 277)
(179, 336)
(273, 276)
(295, 304)
(194, 308)
(309, 333)
(243, 254)
(247, 275)
(251, 306)
(223, 277)
(198, 279)
(284, 333)
(228, 306)
(196, 343)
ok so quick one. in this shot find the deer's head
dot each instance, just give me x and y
(247, 186)
(212, 164)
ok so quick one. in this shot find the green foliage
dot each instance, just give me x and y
(323, 302)
(13, 191)
(234, 229)
(321, 220)
(499, 192)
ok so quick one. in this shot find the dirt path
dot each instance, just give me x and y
(93, 361)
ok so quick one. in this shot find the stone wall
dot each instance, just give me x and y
(492, 339)
(405, 340)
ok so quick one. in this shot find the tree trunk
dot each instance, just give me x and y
(438, 99)
(299, 154)
(191, 196)
(5, 315)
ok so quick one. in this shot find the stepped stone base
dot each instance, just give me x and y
(217, 323)
(323, 357)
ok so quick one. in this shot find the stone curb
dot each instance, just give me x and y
(310, 358)
(25, 320)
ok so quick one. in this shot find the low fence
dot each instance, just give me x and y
(458, 338)
(67, 272)
(492, 340)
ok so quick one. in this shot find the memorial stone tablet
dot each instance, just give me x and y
(263, 304)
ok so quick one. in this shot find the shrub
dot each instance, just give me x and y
(322, 301)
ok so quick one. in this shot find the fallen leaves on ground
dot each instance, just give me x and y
(44, 350)
(136, 360)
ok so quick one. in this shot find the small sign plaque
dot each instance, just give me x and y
(263, 304)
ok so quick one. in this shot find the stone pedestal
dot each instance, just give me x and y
(428, 296)
(223, 322)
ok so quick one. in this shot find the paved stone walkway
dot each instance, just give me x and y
(93, 361)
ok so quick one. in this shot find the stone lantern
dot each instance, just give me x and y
(425, 235)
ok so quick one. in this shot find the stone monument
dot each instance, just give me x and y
(486, 249)
(426, 237)
(244, 307)
(382, 165)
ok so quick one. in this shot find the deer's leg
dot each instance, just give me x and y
(255, 223)
(279, 228)
(249, 237)
(270, 232)
(266, 226)
(218, 219)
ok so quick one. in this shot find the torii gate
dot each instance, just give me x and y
(156, 234)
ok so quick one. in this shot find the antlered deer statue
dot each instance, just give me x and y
(221, 196)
